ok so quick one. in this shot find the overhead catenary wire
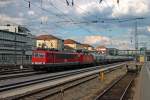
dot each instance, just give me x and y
(70, 18)
(70, 4)
(98, 19)
(67, 2)
(95, 21)
(89, 21)
(46, 11)
(100, 1)
(72, 21)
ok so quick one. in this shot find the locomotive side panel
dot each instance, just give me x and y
(49, 58)
(86, 59)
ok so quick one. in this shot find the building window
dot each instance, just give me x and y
(27, 57)
(39, 45)
(4, 57)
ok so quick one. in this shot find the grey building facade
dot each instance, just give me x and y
(16, 48)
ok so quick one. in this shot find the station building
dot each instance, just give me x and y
(68, 48)
(16, 45)
(49, 42)
(87, 47)
(101, 49)
(73, 44)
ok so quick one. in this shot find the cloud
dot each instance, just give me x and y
(83, 10)
(96, 39)
(112, 9)
(131, 8)
(21, 14)
(31, 12)
(5, 2)
(121, 44)
(86, 7)
(144, 31)
(4, 19)
(148, 28)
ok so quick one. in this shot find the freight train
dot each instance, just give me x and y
(58, 60)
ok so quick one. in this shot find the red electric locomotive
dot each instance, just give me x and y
(52, 60)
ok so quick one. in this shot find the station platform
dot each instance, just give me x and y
(143, 83)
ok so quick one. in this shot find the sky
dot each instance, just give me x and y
(87, 21)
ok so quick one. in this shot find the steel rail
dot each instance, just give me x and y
(15, 71)
(47, 94)
(125, 92)
(17, 75)
(116, 82)
(83, 75)
(39, 80)
(48, 78)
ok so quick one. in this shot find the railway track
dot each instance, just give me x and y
(25, 70)
(44, 78)
(119, 89)
(24, 73)
(51, 79)
(14, 71)
(17, 75)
